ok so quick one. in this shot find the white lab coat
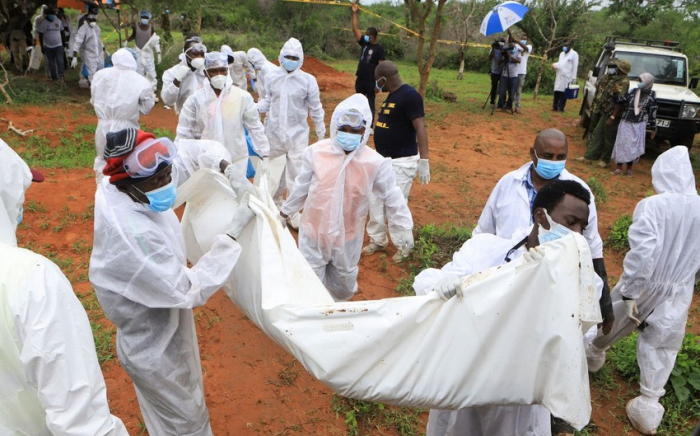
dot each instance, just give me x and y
(508, 209)
(224, 119)
(659, 273)
(566, 70)
(88, 43)
(147, 60)
(262, 68)
(51, 380)
(290, 99)
(175, 96)
(15, 178)
(477, 254)
(333, 188)
(139, 270)
(118, 95)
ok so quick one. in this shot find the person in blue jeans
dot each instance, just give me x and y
(52, 40)
(510, 59)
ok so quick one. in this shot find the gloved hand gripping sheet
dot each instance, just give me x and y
(516, 336)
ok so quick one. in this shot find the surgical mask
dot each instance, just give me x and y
(182, 17)
(612, 71)
(218, 82)
(640, 84)
(376, 85)
(91, 24)
(348, 141)
(144, 21)
(523, 41)
(556, 231)
(366, 38)
(161, 199)
(51, 17)
(20, 215)
(565, 49)
(549, 169)
(289, 64)
(197, 63)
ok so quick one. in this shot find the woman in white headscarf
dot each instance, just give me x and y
(640, 114)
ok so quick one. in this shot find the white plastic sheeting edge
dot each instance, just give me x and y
(515, 338)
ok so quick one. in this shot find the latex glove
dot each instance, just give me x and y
(448, 287)
(424, 171)
(181, 72)
(74, 63)
(265, 166)
(239, 183)
(241, 217)
(160, 59)
(631, 310)
(404, 241)
(282, 220)
(534, 255)
(125, 44)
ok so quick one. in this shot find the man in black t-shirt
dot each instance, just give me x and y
(400, 135)
(372, 54)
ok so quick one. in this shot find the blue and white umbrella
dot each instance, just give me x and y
(502, 17)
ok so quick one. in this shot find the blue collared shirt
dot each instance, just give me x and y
(530, 188)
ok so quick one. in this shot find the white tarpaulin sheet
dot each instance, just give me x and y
(515, 337)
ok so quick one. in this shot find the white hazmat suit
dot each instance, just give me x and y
(139, 270)
(118, 95)
(262, 68)
(88, 43)
(240, 68)
(224, 118)
(477, 254)
(51, 380)
(567, 69)
(508, 209)
(291, 97)
(147, 60)
(333, 188)
(175, 96)
(659, 272)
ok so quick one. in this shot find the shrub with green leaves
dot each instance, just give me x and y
(601, 196)
(366, 417)
(617, 240)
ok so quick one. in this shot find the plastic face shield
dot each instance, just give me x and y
(351, 118)
(215, 59)
(144, 161)
(195, 50)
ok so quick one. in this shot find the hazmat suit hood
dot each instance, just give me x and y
(15, 178)
(292, 48)
(256, 57)
(123, 58)
(672, 172)
(359, 103)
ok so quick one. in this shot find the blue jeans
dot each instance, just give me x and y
(55, 61)
(510, 85)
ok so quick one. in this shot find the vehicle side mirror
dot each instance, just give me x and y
(693, 83)
(596, 71)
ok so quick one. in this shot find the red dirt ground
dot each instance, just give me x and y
(252, 386)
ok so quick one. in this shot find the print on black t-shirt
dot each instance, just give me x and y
(370, 56)
(394, 134)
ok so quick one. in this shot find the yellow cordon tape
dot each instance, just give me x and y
(412, 32)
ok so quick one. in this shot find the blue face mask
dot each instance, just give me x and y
(161, 199)
(523, 41)
(20, 215)
(366, 38)
(348, 141)
(556, 231)
(376, 85)
(51, 17)
(289, 64)
(549, 169)
(565, 49)
(144, 21)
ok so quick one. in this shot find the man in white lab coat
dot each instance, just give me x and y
(567, 70)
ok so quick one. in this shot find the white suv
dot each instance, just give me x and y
(678, 117)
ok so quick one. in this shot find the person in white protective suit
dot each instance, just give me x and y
(238, 66)
(88, 43)
(566, 72)
(262, 67)
(337, 175)
(148, 56)
(51, 380)
(118, 95)
(187, 77)
(139, 270)
(291, 96)
(223, 112)
(558, 209)
(656, 287)
(508, 206)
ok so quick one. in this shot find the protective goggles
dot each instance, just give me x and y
(194, 39)
(352, 118)
(215, 59)
(148, 155)
(201, 48)
(145, 14)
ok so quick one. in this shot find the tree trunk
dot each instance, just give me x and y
(434, 36)
(540, 72)
(462, 53)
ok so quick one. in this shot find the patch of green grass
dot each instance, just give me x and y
(34, 89)
(601, 196)
(160, 133)
(72, 152)
(104, 344)
(365, 417)
(33, 206)
(617, 240)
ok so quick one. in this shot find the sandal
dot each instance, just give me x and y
(628, 173)
(617, 172)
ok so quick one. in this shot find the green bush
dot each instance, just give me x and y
(601, 196)
(618, 234)
(365, 417)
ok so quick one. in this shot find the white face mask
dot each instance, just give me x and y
(91, 24)
(218, 82)
(197, 63)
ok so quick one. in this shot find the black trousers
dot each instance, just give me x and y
(366, 88)
(559, 101)
(494, 86)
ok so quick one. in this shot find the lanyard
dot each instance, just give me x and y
(514, 249)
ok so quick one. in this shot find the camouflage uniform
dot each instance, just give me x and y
(602, 140)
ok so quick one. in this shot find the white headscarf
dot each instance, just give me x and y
(647, 82)
(124, 58)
